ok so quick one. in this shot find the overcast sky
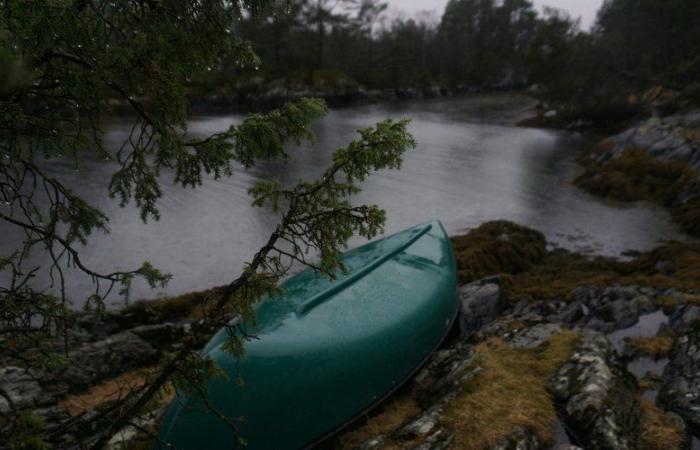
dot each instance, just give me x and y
(586, 9)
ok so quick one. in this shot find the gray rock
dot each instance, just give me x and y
(521, 439)
(596, 396)
(103, 359)
(18, 389)
(573, 312)
(685, 318)
(439, 440)
(680, 391)
(482, 302)
(535, 336)
(421, 426)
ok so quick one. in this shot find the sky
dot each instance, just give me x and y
(585, 9)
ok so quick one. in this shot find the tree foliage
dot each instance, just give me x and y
(66, 64)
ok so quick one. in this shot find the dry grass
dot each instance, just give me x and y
(389, 419)
(509, 392)
(655, 347)
(110, 390)
(659, 430)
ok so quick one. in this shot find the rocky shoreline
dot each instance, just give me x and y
(523, 368)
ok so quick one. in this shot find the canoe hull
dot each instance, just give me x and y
(328, 351)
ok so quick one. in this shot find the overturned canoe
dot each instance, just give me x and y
(328, 350)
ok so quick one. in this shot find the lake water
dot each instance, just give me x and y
(472, 164)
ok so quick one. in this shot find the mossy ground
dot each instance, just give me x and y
(533, 272)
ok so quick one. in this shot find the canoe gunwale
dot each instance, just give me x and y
(382, 398)
(352, 278)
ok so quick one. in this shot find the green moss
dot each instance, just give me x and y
(497, 247)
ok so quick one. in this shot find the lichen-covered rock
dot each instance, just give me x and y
(482, 302)
(596, 396)
(680, 391)
(535, 336)
(96, 361)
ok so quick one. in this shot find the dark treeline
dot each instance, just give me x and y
(634, 45)
(476, 42)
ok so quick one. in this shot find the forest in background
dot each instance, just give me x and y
(476, 44)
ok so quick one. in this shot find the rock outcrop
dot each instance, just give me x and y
(671, 138)
(482, 302)
(596, 397)
(680, 392)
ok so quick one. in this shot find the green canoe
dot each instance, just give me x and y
(328, 350)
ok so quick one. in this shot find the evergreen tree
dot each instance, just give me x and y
(64, 64)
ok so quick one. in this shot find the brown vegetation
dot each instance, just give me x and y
(659, 430)
(185, 306)
(655, 347)
(533, 272)
(509, 392)
(109, 391)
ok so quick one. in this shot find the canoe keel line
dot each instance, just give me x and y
(328, 350)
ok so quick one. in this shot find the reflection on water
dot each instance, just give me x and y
(647, 326)
(471, 165)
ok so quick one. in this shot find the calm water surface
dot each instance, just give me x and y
(472, 164)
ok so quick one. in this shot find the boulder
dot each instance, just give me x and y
(595, 396)
(535, 336)
(96, 361)
(483, 302)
